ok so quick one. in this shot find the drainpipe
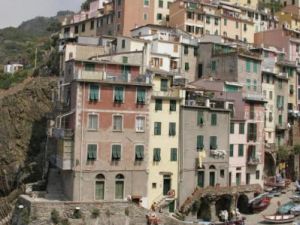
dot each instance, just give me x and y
(62, 116)
(81, 146)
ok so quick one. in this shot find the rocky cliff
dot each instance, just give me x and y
(23, 111)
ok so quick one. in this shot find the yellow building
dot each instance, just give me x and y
(288, 18)
(163, 142)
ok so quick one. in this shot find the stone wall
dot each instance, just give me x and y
(110, 213)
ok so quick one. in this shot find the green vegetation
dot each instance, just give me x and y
(9, 80)
(55, 218)
(282, 153)
(274, 6)
(86, 5)
(95, 213)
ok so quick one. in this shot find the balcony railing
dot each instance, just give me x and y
(253, 161)
(66, 35)
(103, 76)
(172, 93)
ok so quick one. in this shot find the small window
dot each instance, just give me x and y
(119, 94)
(154, 185)
(158, 104)
(173, 154)
(157, 128)
(173, 105)
(160, 3)
(172, 129)
(93, 122)
(146, 2)
(116, 153)
(200, 143)
(92, 152)
(156, 155)
(186, 66)
(117, 123)
(213, 119)
(164, 85)
(232, 128)
(222, 173)
(242, 128)
(92, 25)
(125, 59)
(89, 67)
(159, 16)
(213, 142)
(140, 124)
(83, 27)
(248, 66)
(213, 66)
(231, 150)
(94, 93)
(257, 174)
(241, 150)
(186, 50)
(141, 96)
(200, 118)
(123, 43)
(139, 152)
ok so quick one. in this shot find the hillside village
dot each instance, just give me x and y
(176, 106)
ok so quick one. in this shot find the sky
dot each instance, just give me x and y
(14, 12)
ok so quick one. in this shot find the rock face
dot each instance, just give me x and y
(23, 132)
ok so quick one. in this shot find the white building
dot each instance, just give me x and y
(12, 68)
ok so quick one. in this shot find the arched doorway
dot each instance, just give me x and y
(223, 203)
(204, 212)
(270, 164)
(243, 203)
(212, 176)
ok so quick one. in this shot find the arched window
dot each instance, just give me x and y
(100, 187)
(119, 188)
(212, 167)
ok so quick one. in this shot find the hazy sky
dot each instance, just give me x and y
(14, 12)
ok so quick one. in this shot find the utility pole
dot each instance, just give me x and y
(35, 58)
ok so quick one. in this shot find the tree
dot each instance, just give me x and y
(86, 5)
(282, 153)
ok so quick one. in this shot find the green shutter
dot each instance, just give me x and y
(125, 59)
(255, 67)
(173, 105)
(213, 119)
(213, 143)
(164, 85)
(232, 128)
(213, 65)
(200, 143)
(200, 120)
(172, 129)
(89, 67)
(139, 152)
(99, 190)
(156, 155)
(248, 84)
(141, 96)
(157, 128)
(280, 119)
(119, 189)
(231, 150)
(94, 92)
(241, 128)
(119, 94)
(116, 152)
(92, 152)
(241, 150)
(173, 154)
(186, 66)
(158, 104)
(248, 66)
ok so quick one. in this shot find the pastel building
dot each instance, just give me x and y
(103, 136)
(164, 124)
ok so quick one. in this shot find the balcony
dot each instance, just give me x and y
(172, 93)
(66, 35)
(253, 161)
(61, 133)
(84, 75)
(255, 97)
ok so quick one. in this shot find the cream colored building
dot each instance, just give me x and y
(246, 3)
(163, 142)
(161, 11)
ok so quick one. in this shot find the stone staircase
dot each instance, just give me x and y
(54, 187)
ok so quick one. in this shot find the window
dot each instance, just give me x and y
(270, 116)
(93, 122)
(119, 2)
(158, 104)
(92, 25)
(116, 152)
(140, 124)
(254, 85)
(207, 19)
(195, 51)
(92, 152)
(242, 128)
(248, 66)
(213, 119)
(280, 102)
(123, 43)
(213, 66)
(225, 22)
(157, 128)
(245, 27)
(76, 29)
(172, 129)
(254, 67)
(236, 25)
(173, 105)
(159, 16)
(156, 155)
(119, 191)
(141, 96)
(89, 67)
(83, 27)
(248, 84)
(99, 187)
(231, 150)
(280, 119)
(118, 94)
(186, 66)
(125, 60)
(252, 132)
(186, 50)
(257, 174)
(146, 2)
(232, 128)
(200, 143)
(164, 84)
(213, 142)
(94, 92)
(173, 154)
(160, 3)
(139, 152)
(270, 95)
(241, 150)
(291, 89)
(117, 123)
(216, 21)
(200, 120)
